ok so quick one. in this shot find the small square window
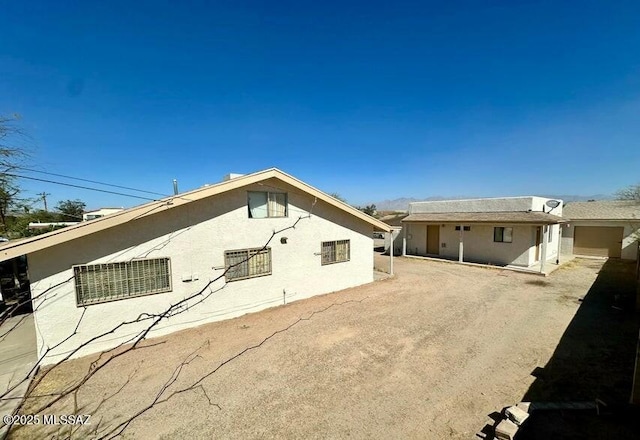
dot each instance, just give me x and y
(502, 235)
(464, 228)
(266, 204)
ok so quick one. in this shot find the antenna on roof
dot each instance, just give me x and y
(175, 187)
(552, 204)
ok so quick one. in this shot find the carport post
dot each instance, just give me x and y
(404, 240)
(543, 250)
(559, 243)
(391, 254)
(461, 246)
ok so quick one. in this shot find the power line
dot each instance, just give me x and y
(81, 187)
(91, 181)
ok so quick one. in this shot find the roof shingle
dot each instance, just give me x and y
(602, 210)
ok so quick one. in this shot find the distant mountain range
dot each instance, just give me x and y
(402, 204)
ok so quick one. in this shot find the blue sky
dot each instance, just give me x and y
(373, 100)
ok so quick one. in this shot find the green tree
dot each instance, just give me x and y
(18, 226)
(369, 209)
(70, 210)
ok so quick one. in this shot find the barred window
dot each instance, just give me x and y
(247, 263)
(97, 283)
(335, 251)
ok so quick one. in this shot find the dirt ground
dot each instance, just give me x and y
(427, 354)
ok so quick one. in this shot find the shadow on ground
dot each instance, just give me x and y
(594, 360)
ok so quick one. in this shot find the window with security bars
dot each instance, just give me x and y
(247, 263)
(335, 251)
(97, 283)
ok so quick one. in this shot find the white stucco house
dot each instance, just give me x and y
(602, 229)
(97, 213)
(516, 231)
(280, 239)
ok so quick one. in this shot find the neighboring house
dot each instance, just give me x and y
(98, 274)
(50, 225)
(603, 229)
(518, 231)
(393, 219)
(97, 213)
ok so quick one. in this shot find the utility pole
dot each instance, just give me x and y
(44, 199)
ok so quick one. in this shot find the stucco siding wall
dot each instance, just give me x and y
(629, 238)
(395, 236)
(416, 239)
(195, 237)
(552, 245)
(480, 247)
(566, 247)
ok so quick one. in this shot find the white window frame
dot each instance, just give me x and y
(271, 195)
(248, 258)
(504, 228)
(330, 256)
(119, 280)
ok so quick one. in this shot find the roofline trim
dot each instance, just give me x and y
(491, 222)
(26, 246)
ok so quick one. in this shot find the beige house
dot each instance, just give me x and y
(98, 213)
(508, 231)
(602, 229)
(278, 239)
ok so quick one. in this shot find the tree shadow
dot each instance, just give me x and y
(594, 360)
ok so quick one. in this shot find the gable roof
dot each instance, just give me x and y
(24, 246)
(524, 217)
(394, 219)
(603, 210)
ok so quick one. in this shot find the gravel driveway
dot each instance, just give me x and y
(427, 354)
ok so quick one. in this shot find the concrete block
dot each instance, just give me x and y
(516, 415)
(525, 406)
(506, 430)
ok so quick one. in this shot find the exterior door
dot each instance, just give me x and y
(598, 241)
(433, 239)
(538, 241)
